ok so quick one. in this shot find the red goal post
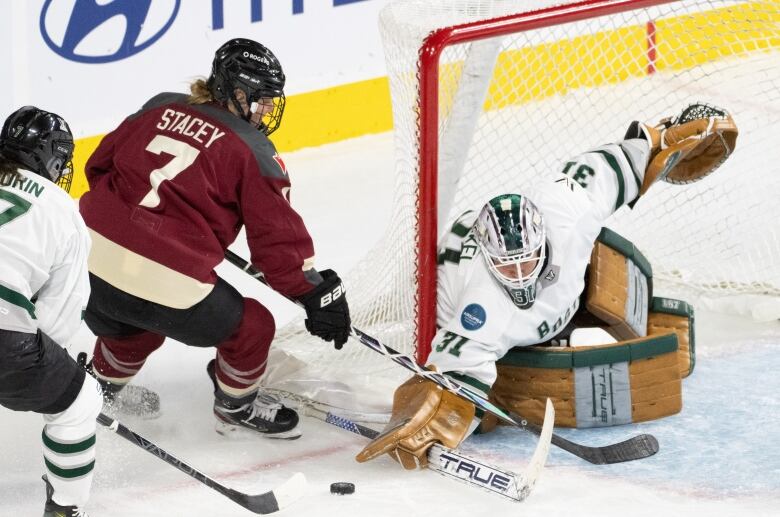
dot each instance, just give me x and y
(430, 124)
(429, 120)
(489, 95)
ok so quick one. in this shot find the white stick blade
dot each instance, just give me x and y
(292, 490)
(539, 458)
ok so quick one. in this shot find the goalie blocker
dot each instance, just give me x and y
(635, 379)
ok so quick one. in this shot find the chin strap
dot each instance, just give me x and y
(237, 105)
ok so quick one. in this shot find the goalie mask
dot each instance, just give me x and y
(510, 232)
(41, 142)
(248, 66)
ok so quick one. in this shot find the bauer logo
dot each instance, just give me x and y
(96, 31)
(473, 317)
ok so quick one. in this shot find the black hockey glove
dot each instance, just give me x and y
(327, 312)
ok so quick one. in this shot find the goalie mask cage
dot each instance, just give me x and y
(489, 96)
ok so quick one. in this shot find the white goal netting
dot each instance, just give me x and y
(512, 109)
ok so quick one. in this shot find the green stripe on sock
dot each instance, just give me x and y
(69, 473)
(67, 448)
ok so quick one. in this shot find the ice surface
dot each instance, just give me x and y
(719, 457)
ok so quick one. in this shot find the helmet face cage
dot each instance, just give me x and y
(248, 66)
(65, 181)
(510, 232)
(273, 119)
(41, 141)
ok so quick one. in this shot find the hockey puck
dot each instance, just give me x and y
(342, 488)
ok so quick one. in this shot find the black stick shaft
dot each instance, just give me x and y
(263, 503)
(637, 447)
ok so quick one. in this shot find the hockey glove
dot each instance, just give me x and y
(423, 414)
(327, 312)
(687, 148)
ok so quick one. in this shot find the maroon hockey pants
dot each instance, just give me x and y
(241, 358)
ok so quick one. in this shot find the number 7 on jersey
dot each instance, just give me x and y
(183, 156)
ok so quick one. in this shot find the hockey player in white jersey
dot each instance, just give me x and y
(44, 288)
(512, 273)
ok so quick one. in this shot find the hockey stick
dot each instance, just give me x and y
(269, 502)
(453, 464)
(637, 447)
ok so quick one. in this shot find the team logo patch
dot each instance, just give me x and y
(473, 317)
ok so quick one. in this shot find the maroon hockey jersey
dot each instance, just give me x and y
(175, 182)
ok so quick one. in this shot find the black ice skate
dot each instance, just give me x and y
(124, 399)
(264, 414)
(52, 509)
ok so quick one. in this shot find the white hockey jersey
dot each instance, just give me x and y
(44, 247)
(478, 322)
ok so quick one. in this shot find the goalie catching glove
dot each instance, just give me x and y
(327, 312)
(423, 414)
(687, 148)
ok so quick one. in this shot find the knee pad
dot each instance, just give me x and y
(36, 374)
(79, 418)
(117, 360)
(241, 358)
(257, 322)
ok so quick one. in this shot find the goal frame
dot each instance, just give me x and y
(428, 101)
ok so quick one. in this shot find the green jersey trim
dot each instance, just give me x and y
(17, 299)
(613, 163)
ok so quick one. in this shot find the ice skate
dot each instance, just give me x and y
(265, 415)
(53, 509)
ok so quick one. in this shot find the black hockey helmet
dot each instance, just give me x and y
(40, 141)
(249, 66)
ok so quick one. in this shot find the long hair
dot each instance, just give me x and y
(199, 92)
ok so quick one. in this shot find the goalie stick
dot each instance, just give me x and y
(637, 447)
(268, 502)
(453, 464)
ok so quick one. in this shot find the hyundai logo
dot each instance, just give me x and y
(101, 31)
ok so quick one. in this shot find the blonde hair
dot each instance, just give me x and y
(199, 92)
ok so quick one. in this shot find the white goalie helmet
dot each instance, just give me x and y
(510, 232)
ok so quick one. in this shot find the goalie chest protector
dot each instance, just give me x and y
(634, 380)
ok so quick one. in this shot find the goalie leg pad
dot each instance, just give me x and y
(593, 386)
(619, 286)
(423, 414)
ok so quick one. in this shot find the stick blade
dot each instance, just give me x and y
(274, 500)
(539, 458)
(635, 448)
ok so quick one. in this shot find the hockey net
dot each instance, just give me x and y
(489, 96)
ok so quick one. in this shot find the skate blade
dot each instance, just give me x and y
(237, 431)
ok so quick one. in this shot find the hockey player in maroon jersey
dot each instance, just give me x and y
(170, 189)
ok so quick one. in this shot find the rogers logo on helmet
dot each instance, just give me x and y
(262, 59)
